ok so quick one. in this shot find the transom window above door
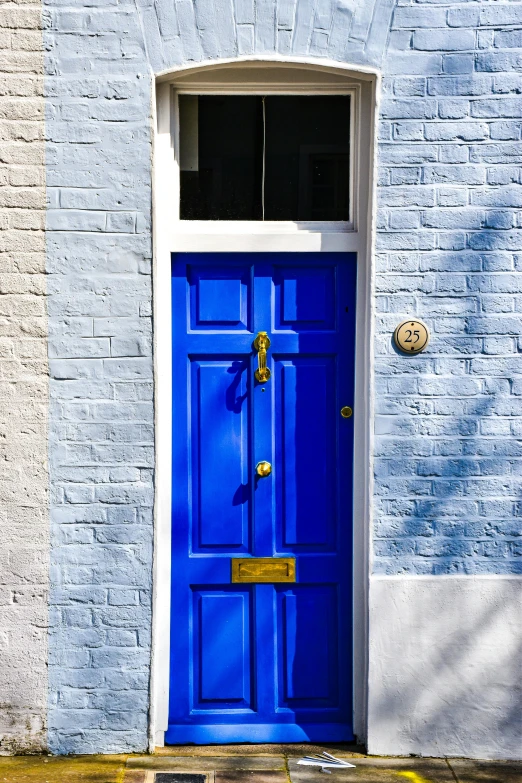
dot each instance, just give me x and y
(273, 158)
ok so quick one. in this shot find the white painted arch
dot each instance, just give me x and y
(304, 69)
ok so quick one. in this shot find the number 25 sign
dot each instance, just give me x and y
(411, 336)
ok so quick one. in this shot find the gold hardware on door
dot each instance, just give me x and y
(346, 412)
(263, 569)
(263, 469)
(262, 344)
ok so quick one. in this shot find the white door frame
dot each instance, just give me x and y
(263, 75)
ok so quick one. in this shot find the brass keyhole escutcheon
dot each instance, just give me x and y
(346, 412)
(263, 469)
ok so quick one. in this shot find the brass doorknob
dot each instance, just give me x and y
(263, 469)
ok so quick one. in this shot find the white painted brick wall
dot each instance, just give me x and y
(23, 384)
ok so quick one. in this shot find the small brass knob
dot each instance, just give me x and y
(346, 412)
(263, 469)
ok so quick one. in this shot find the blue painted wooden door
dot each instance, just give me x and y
(261, 662)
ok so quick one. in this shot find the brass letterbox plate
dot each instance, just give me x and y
(263, 569)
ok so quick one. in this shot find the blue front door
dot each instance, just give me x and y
(261, 564)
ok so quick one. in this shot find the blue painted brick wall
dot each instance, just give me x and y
(447, 448)
(448, 468)
(101, 423)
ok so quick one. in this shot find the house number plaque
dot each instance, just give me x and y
(411, 336)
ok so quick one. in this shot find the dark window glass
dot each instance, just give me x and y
(307, 176)
(221, 157)
(273, 158)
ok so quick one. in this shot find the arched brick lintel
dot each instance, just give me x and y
(342, 31)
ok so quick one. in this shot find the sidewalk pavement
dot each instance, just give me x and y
(250, 764)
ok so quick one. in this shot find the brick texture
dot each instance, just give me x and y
(447, 459)
(448, 465)
(98, 90)
(24, 522)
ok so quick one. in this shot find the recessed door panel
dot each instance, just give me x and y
(305, 297)
(219, 297)
(305, 438)
(308, 646)
(222, 648)
(261, 497)
(221, 490)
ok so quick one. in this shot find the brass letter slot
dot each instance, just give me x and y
(263, 569)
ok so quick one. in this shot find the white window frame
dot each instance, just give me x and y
(256, 227)
(272, 75)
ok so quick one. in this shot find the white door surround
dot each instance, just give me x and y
(261, 76)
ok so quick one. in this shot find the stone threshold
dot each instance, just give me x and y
(275, 749)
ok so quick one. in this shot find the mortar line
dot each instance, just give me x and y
(120, 777)
(287, 768)
(455, 778)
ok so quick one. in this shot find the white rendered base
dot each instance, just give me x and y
(445, 666)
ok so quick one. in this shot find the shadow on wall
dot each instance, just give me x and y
(446, 466)
(445, 655)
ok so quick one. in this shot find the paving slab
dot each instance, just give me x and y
(207, 763)
(467, 771)
(223, 776)
(62, 769)
(376, 770)
(134, 776)
(252, 776)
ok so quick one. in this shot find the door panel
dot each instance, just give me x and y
(261, 662)
(222, 648)
(219, 297)
(308, 664)
(305, 450)
(305, 297)
(221, 502)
